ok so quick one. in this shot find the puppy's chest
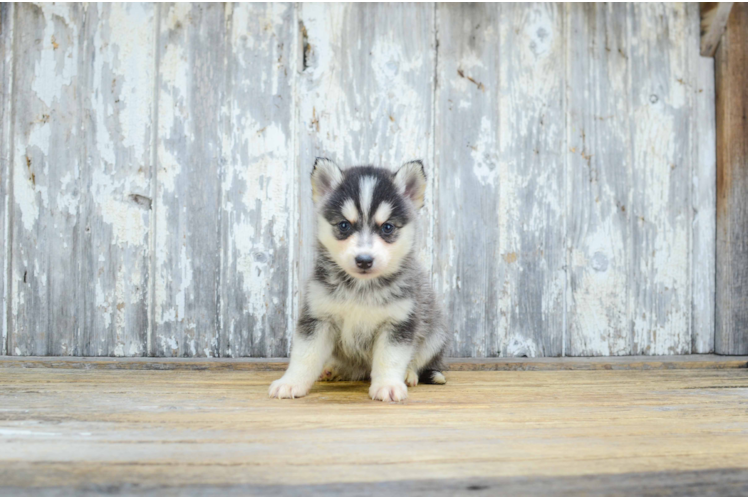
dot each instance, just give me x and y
(358, 323)
(358, 327)
(353, 318)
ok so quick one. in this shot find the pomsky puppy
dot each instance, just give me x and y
(369, 312)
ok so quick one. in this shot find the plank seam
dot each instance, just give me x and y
(630, 198)
(500, 341)
(435, 170)
(690, 78)
(154, 181)
(223, 229)
(8, 140)
(215, 342)
(293, 269)
(84, 202)
(567, 185)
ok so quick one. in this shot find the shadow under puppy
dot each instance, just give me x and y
(369, 311)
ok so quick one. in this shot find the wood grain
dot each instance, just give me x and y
(81, 180)
(532, 145)
(116, 181)
(660, 217)
(190, 148)
(6, 82)
(704, 194)
(258, 183)
(68, 430)
(468, 267)
(707, 482)
(599, 159)
(731, 66)
(48, 161)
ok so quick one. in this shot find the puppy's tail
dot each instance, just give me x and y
(429, 376)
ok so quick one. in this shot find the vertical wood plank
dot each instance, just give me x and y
(660, 297)
(191, 98)
(532, 201)
(118, 108)
(731, 67)
(466, 237)
(704, 186)
(258, 184)
(599, 163)
(365, 97)
(48, 147)
(6, 75)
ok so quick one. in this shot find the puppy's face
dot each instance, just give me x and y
(365, 215)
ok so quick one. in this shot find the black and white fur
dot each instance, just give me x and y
(369, 311)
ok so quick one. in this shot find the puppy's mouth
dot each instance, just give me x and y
(365, 273)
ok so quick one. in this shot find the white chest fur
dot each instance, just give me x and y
(358, 322)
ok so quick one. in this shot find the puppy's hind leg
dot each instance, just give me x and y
(332, 372)
(432, 377)
(429, 363)
(411, 376)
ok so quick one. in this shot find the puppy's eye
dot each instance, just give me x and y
(387, 228)
(344, 226)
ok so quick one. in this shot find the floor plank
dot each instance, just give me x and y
(515, 432)
(701, 361)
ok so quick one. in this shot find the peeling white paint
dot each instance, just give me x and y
(24, 195)
(184, 285)
(128, 221)
(132, 26)
(484, 153)
(519, 345)
(119, 350)
(63, 57)
(177, 14)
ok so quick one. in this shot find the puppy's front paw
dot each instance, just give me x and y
(284, 388)
(388, 390)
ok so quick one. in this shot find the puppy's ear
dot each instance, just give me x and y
(411, 181)
(326, 176)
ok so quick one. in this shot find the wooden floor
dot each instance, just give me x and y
(208, 432)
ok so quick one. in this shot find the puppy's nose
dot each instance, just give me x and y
(364, 261)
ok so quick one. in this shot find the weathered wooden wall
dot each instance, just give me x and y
(155, 159)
